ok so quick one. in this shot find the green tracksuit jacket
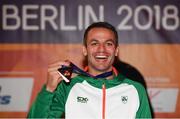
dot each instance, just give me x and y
(88, 98)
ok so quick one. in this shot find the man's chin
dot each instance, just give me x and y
(103, 69)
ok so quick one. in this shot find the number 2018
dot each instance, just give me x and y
(167, 19)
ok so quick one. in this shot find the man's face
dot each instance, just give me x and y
(100, 50)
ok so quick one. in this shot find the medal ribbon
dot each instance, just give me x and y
(77, 70)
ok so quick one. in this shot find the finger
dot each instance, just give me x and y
(63, 77)
(54, 68)
(60, 63)
(54, 77)
(59, 76)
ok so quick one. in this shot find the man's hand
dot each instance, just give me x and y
(54, 77)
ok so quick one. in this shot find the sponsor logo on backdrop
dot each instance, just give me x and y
(163, 99)
(15, 93)
(4, 99)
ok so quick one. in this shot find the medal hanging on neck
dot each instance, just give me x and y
(66, 72)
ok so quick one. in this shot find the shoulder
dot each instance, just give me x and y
(138, 86)
(134, 83)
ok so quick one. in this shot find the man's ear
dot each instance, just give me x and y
(84, 51)
(117, 51)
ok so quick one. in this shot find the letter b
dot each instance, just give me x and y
(10, 16)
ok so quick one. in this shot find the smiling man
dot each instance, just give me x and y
(100, 46)
(99, 92)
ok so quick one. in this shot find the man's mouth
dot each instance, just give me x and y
(101, 57)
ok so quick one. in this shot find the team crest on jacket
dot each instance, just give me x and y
(124, 99)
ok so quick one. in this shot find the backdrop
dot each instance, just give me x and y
(36, 33)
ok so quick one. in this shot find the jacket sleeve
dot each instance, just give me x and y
(47, 104)
(144, 110)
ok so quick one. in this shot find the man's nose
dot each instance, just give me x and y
(101, 47)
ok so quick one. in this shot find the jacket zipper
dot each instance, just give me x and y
(103, 101)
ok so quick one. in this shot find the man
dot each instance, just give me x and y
(87, 96)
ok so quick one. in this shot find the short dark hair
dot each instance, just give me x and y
(101, 25)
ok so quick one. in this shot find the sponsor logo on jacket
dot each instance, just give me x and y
(82, 99)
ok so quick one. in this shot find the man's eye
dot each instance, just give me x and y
(94, 44)
(109, 44)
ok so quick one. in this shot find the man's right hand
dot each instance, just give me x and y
(54, 77)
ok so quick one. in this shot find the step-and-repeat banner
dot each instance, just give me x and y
(35, 33)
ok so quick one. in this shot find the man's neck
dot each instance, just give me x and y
(96, 72)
